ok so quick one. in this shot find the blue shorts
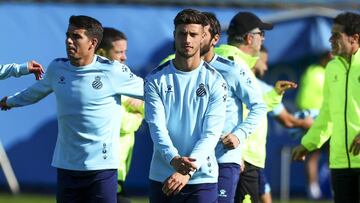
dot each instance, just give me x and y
(264, 185)
(229, 174)
(196, 193)
(86, 186)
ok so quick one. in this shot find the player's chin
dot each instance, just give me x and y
(71, 54)
(189, 54)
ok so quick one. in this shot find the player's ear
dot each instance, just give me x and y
(355, 38)
(248, 38)
(94, 43)
(215, 39)
(203, 35)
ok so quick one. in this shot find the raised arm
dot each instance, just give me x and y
(30, 95)
(17, 70)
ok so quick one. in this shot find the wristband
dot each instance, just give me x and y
(191, 173)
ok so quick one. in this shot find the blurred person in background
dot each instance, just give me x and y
(185, 102)
(87, 89)
(339, 117)
(246, 34)
(309, 99)
(242, 93)
(17, 70)
(114, 47)
(280, 113)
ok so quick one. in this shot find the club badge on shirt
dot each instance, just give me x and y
(97, 84)
(201, 91)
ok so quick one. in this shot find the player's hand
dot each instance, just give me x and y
(355, 145)
(230, 141)
(175, 183)
(183, 165)
(3, 104)
(36, 68)
(133, 105)
(242, 166)
(134, 102)
(282, 85)
(299, 153)
(307, 122)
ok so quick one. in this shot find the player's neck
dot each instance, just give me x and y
(83, 61)
(186, 64)
(209, 55)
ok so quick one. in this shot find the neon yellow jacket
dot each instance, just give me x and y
(254, 148)
(310, 93)
(168, 58)
(131, 120)
(339, 114)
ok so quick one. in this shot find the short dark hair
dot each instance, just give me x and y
(350, 21)
(215, 27)
(109, 36)
(190, 16)
(92, 26)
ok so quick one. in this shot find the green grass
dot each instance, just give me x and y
(28, 198)
(36, 198)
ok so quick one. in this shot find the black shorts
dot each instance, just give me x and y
(248, 184)
(346, 185)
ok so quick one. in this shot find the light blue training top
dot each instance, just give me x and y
(15, 70)
(186, 113)
(88, 110)
(241, 90)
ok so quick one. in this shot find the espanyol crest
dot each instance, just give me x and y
(97, 84)
(201, 91)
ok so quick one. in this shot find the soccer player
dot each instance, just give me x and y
(340, 111)
(87, 89)
(114, 46)
(17, 70)
(245, 36)
(185, 101)
(241, 90)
